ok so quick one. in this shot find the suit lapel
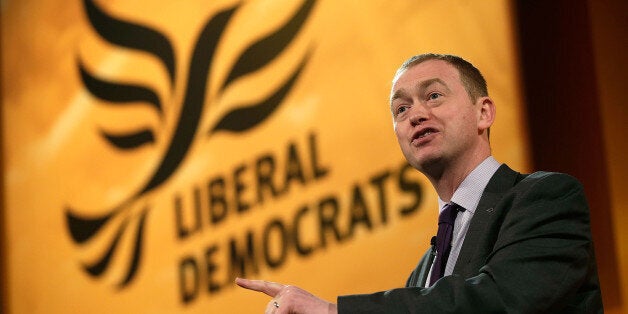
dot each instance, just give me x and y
(483, 230)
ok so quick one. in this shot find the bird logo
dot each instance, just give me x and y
(126, 34)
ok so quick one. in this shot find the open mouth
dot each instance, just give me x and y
(423, 136)
(423, 133)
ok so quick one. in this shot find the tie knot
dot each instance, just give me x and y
(448, 215)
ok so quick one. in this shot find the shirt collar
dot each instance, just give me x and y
(470, 191)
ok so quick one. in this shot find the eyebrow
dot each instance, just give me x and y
(396, 95)
(425, 84)
(421, 86)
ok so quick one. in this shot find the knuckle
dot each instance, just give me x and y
(288, 289)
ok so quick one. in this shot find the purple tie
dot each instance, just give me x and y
(443, 240)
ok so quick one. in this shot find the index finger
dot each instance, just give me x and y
(269, 288)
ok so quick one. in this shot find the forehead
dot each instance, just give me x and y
(427, 70)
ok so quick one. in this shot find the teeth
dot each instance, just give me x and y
(425, 134)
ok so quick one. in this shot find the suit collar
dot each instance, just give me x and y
(501, 182)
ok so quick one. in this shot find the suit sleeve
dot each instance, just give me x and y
(541, 257)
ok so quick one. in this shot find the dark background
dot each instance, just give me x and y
(573, 63)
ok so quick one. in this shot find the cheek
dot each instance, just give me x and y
(401, 135)
(398, 128)
(465, 120)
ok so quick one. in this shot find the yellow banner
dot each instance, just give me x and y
(155, 151)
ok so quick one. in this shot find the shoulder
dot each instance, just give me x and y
(513, 198)
(543, 205)
(542, 193)
(506, 180)
(547, 195)
(548, 183)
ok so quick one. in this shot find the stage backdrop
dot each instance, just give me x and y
(153, 151)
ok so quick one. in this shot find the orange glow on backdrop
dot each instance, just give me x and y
(154, 151)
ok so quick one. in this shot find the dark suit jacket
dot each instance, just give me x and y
(528, 250)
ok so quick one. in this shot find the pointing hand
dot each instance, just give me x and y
(288, 299)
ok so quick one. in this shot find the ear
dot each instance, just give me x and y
(486, 113)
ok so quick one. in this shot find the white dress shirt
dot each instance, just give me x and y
(468, 196)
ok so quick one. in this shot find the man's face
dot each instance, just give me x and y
(435, 121)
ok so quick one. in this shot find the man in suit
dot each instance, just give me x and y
(516, 243)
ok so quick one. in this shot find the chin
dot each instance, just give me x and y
(422, 158)
(425, 163)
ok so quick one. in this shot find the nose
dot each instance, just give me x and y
(419, 115)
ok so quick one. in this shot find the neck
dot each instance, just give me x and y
(448, 176)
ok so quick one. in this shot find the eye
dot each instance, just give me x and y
(401, 109)
(433, 96)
